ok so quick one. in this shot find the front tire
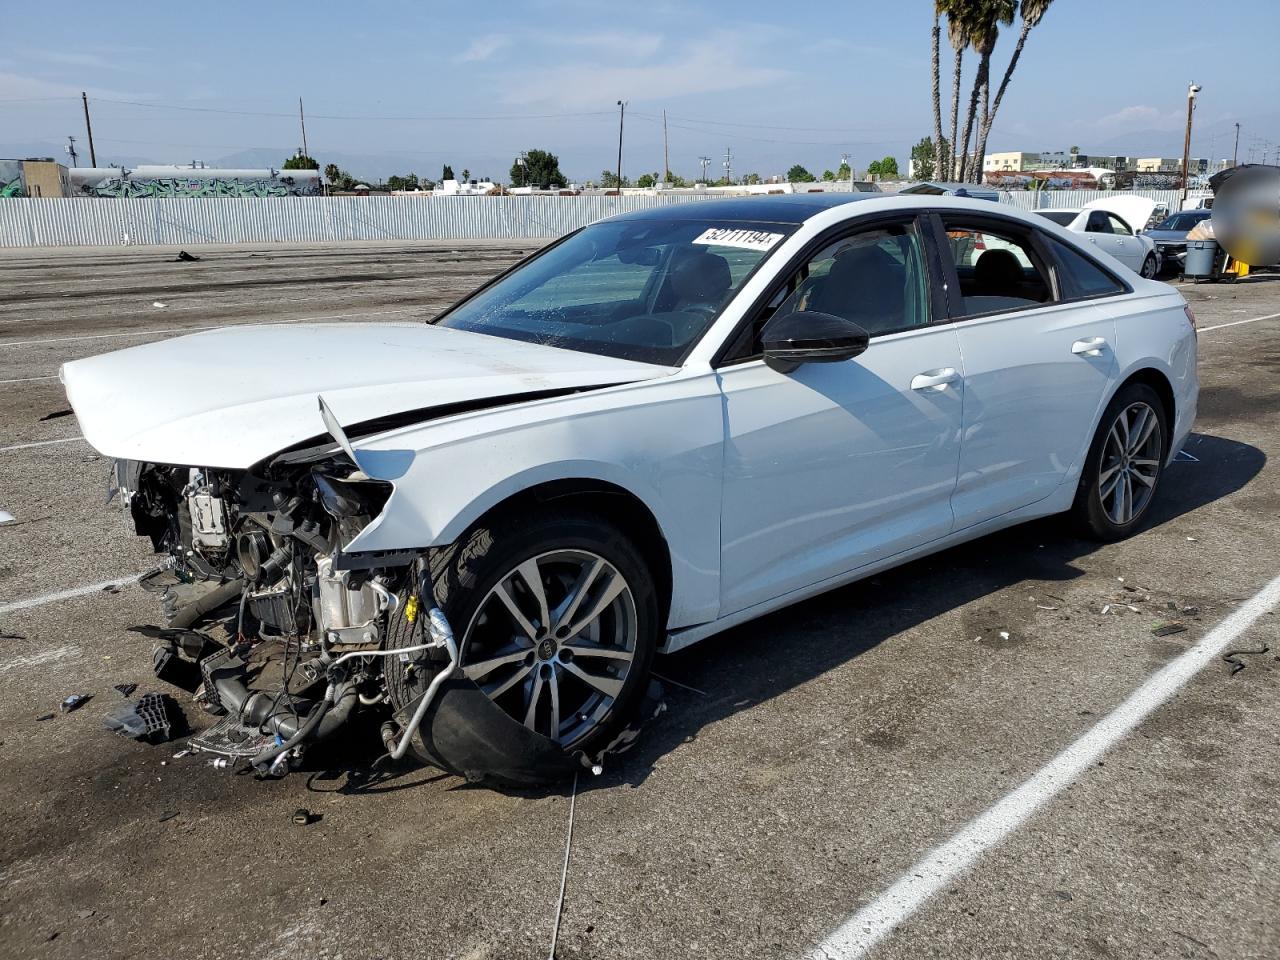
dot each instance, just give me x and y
(557, 616)
(1149, 267)
(1125, 463)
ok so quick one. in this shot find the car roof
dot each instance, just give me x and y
(789, 208)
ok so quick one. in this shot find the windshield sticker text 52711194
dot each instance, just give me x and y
(747, 239)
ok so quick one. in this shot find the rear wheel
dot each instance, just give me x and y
(558, 620)
(1124, 466)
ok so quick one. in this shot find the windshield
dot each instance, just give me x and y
(642, 290)
(1062, 218)
(1183, 221)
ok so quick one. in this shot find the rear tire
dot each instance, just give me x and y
(1125, 463)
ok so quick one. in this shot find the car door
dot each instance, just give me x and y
(1101, 235)
(1038, 363)
(833, 466)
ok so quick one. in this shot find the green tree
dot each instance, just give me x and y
(447, 173)
(675, 180)
(646, 180)
(889, 168)
(925, 156)
(798, 174)
(540, 169)
(751, 179)
(984, 20)
(843, 172)
(873, 170)
(466, 174)
(332, 173)
(609, 180)
(828, 176)
(300, 161)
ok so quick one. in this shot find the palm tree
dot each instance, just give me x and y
(958, 33)
(984, 19)
(939, 159)
(1033, 12)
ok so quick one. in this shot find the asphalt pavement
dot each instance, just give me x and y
(807, 763)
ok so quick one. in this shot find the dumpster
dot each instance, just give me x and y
(1202, 260)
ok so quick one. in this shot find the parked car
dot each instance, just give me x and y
(671, 422)
(1170, 236)
(1112, 234)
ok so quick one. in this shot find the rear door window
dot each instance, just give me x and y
(1080, 277)
(997, 269)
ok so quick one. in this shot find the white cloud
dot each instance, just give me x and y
(17, 86)
(637, 46)
(715, 64)
(483, 48)
(1140, 117)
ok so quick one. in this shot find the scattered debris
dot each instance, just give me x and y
(302, 816)
(1168, 629)
(220, 763)
(1184, 457)
(125, 689)
(1191, 611)
(86, 914)
(1004, 634)
(159, 305)
(111, 589)
(56, 415)
(6, 635)
(167, 815)
(45, 716)
(75, 702)
(1233, 657)
(6, 516)
(182, 753)
(1106, 608)
(184, 257)
(146, 719)
(1192, 540)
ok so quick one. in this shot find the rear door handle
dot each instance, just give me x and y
(934, 379)
(1089, 347)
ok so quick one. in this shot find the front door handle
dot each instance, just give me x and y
(1089, 347)
(934, 379)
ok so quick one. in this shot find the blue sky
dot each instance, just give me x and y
(473, 85)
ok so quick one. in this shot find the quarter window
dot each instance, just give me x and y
(1082, 277)
(997, 270)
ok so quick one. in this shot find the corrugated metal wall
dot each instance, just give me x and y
(114, 222)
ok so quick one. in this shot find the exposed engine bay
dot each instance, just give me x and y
(285, 638)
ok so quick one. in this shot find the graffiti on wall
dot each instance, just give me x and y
(12, 183)
(117, 185)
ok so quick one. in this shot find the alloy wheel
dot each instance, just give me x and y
(1130, 463)
(1149, 267)
(553, 641)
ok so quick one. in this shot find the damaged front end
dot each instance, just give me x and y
(286, 638)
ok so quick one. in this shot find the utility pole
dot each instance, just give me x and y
(1235, 153)
(622, 115)
(728, 165)
(303, 120)
(666, 156)
(1192, 90)
(706, 162)
(93, 157)
(71, 149)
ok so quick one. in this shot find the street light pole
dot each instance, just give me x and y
(622, 113)
(88, 127)
(1192, 90)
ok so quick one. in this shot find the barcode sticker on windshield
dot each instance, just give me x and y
(747, 239)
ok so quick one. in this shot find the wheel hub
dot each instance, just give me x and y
(547, 649)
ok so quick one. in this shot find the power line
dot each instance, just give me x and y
(320, 116)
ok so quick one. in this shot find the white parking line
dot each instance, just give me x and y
(943, 864)
(30, 379)
(1236, 323)
(149, 333)
(38, 443)
(38, 659)
(66, 594)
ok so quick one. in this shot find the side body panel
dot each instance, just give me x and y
(660, 440)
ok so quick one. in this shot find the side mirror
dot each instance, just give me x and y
(811, 337)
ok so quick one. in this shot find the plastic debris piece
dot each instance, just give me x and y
(158, 304)
(168, 815)
(125, 689)
(1233, 657)
(220, 763)
(6, 635)
(1004, 634)
(184, 257)
(6, 516)
(182, 753)
(302, 816)
(147, 718)
(1168, 629)
(45, 716)
(1106, 608)
(1191, 611)
(74, 702)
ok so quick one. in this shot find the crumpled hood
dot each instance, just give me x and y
(230, 397)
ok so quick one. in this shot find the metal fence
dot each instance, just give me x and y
(51, 222)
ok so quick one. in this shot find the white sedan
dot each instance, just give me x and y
(1110, 232)
(486, 525)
